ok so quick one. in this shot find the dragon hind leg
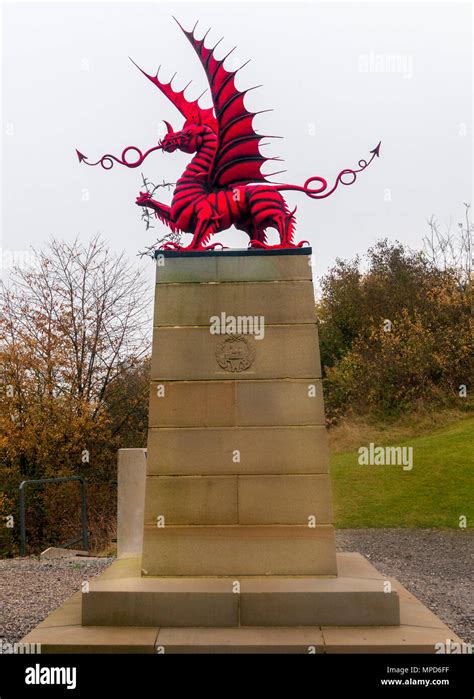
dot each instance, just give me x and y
(285, 226)
(256, 234)
(269, 209)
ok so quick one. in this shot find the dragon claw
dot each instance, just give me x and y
(170, 246)
(190, 248)
(143, 198)
(213, 246)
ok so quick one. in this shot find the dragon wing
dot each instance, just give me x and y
(191, 110)
(238, 159)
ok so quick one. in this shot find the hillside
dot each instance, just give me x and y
(435, 493)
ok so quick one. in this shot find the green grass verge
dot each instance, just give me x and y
(435, 493)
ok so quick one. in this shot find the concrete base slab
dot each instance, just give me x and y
(68, 614)
(419, 630)
(306, 639)
(74, 638)
(129, 567)
(392, 639)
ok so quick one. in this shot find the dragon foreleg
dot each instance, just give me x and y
(162, 211)
(206, 226)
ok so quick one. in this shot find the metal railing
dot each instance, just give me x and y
(85, 534)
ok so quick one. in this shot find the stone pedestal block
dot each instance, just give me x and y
(239, 550)
(237, 469)
(262, 450)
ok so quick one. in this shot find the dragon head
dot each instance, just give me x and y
(188, 140)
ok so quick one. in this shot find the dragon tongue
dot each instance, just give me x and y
(81, 156)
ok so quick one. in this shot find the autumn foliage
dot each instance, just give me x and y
(74, 385)
(396, 334)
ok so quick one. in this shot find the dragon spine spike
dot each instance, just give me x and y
(227, 55)
(278, 172)
(243, 65)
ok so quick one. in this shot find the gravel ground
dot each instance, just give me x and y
(31, 589)
(436, 566)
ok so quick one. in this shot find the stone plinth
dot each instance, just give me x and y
(237, 468)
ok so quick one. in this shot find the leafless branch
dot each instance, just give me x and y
(448, 249)
(148, 216)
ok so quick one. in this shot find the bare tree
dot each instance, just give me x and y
(85, 314)
(74, 379)
(449, 249)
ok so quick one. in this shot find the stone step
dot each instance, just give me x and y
(419, 631)
(230, 602)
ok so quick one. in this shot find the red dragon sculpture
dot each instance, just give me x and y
(223, 184)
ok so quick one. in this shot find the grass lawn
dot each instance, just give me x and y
(435, 493)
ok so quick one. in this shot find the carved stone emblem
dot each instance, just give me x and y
(235, 353)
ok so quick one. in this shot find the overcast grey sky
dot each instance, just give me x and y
(340, 77)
